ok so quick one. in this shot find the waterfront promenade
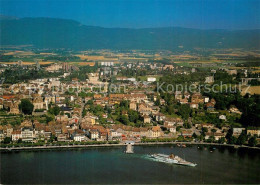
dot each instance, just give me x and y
(120, 144)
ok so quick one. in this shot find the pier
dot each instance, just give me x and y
(129, 147)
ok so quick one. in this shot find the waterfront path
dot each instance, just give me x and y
(120, 144)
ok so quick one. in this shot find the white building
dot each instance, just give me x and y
(27, 134)
(238, 131)
(94, 134)
(151, 79)
(209, 79)
(222, 117)
(16, 135)
(79, 137)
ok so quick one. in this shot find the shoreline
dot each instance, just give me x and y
(39, 148)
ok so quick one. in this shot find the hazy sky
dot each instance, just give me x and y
(205, 14)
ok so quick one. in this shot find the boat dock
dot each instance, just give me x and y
(129, 147)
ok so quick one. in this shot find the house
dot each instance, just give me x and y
(27, 134)
(213, 101)
(231, 71)
(186, 95)
(135, 132)
(169, 67)
(16, 135)
(160, 117)
(169, 122)
(124, 112)
(197, 98)
(103, 134)
(133, 105)
(186, 133)
(89, 119)
(62, 118)
(179, 122)
(204, 125)
(147, 119)
(194, 105)
(47, 132)
(97, 96)
(1, 104)
(209, 79)
(206, 99)
(57, 131)
(172, 129)
(2, 136)
(109, 120)
(237, 131)
(210, 106)
(184, 101)
(155, 132)
(37, 102)
(9, 131)
(93, 134)
(216, 136)
(178, 95)
(155, 109)
(78, 135)
(162, 101)
(14, 108)
(114, 135)
(222, 117)
(62, 137)
(143, 132)
(253, 132)
(235, 110)
(144, 108)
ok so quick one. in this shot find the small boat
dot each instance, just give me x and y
(171, 159)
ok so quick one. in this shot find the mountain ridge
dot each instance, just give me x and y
(65, 33)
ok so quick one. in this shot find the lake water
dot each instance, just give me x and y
(112, 166)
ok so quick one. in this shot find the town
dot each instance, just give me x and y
(111, 97)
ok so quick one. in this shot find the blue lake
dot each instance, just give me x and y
(112, 166)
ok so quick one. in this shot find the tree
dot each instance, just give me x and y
(123, 119)
(184, 110)
(187, 125)
(242, 138)
(49, 118)
(157, 102)
(133, 116)
(213, 131)
(7, 140)
(54, 110)
(194, 135)
(84, 112)
(229, 134)
(222, 140)
(124, 104)
(204, 130)
(252, 141)
(232, 140)
(26, 106)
